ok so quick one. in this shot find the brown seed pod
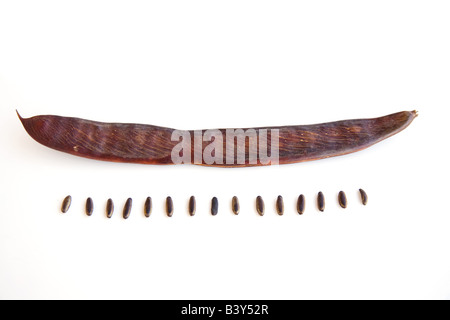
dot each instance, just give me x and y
(169, 206)
(109, 208)
(127, 208)
(321, 201)
(260, 205)
(89, 207)
(138, 143)
(214, 206)
(342, 199)
(148, 207)
(192, 206)
(280, 205)
(235, 205)
(364, 197)
(301, 204)
(66, 204)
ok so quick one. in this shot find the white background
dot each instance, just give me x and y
(212, 64)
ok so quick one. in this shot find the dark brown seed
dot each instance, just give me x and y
(363, 196)
(260, 205)
(214, 206)
(280, 205)
(169, 206)
(148, 207)
(342, 199)
(192, 206)
(89, 207)
(127, 208)
(235, 205)
(66, 204)
(321, 201)
(109, 208)
(301, 204)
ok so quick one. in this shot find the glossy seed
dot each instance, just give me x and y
(301, 204)
(280, 205)
(109, 208)
(363, 196)
(169, 206)
(192, 206)
(66, 204)
(321, 201)
(235, 205)
(342, 199)
(127, 208)
(260, 205)
(89, 207)
(148, 207)
(214, 206)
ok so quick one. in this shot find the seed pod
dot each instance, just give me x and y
(169, 206)
(364, 197)
(148, 207)
(109, 208)
(280, 205)
(66, 204)
(321, 201)
(235, 205)
(214, 206)
(342, 199)
(192, 206)
(127, 208)
(89, 207)
(260, 205)
(139, 143)
(301, 204)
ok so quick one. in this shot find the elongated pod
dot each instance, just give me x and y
(148, 144)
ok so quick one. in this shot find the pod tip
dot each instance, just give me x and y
(18, 114)
(415, 113)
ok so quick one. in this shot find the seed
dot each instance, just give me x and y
(260, 205)
(66, 204)
(89, 207)
(321, 201)
(235, 205)
(214, 206)
(301, 204)
(169, 206)
(192, 206)
(109, 208)
(127, 208)
(280, 205)
(342, 199)
(364, 197)
(148, 207)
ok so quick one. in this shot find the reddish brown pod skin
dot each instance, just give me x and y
(148, 144)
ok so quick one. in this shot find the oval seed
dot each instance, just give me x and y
(127, 208)
(192, 206)
(148, 207)
(280, 205)
(235, 205)
(214, 206)
(321, 201)
(109, 208)
(169, 206)
(89, 207)
(301, 204)
(363, 196)
(342, 199)
(66, 204)
(260, 205)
